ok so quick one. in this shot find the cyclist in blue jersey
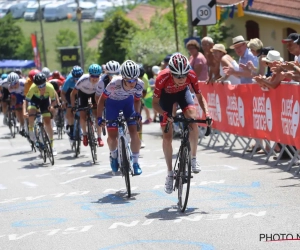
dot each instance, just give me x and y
(66, 90)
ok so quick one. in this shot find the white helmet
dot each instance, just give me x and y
(112, 67)
(130, 70)
(13, 78)
(179, 64)
(46, 72)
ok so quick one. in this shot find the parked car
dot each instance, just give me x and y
(88, 10)
(102, 9)
(56, 11)
(16, 8)
(32, 10)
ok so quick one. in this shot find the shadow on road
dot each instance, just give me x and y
(120, 197)
(18, 153)
(68, 151)
(106, 175)
(172, 213)
(29, 158)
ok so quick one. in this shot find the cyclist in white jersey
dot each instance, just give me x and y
(86, 88)
(16, 89)
(122, 93)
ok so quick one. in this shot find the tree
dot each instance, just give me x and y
(11, 38)
(118, 33)
(25, 51)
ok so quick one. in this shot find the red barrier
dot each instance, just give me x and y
(247, 110)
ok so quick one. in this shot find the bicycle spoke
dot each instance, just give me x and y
(125, 165)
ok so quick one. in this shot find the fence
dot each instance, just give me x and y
(243, 112)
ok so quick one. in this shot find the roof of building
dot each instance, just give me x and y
(283, 8)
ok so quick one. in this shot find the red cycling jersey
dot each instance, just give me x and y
(165, 81)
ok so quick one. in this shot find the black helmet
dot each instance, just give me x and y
(39, 79)
(142, 70)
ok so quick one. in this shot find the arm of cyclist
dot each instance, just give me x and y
(63, 98)
(72, 97)
(100, 108)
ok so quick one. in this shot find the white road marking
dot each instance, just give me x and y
(78, 178)
(29, 184)
(3, 162)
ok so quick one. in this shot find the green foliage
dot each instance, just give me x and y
(65, 38)
(220, 32)
(94, 30)
(11, 38)
(25, 51)
(161, 3)
(118, 32)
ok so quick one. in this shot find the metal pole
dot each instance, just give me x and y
(175, 25)
(78, 12)
(189, 12)
(42, 31)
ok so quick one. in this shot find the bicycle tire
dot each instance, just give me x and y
(14, 125)
(125, 165)
(184, 177)
(47, 146)
(77, 140)
(9, 123)
(92, 143)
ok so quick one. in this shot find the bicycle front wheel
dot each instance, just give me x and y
(47, 146)
(125, 165)
(92, 141)
(184, 177)
(77, 139)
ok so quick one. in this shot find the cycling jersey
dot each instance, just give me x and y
(57, 84)
(85, 86)
(69, 83)
(27, 86)
(4, 84)
(116, 91)
(19, 90)
(102, 84)
(164, 81)
(34, 92)
(61, 78)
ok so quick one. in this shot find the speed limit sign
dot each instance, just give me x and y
(204, 12)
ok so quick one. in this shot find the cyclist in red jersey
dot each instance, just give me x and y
(57, 75)
(172, 86)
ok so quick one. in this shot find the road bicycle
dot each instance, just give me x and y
(42, 140)
(60, 122)
(76, 143)
(182, 166)
(11, 120)
(124, 150)
(31, 143)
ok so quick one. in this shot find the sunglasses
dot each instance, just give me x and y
(42, 86)
(94, 76)
(179, 76)
(131, 80)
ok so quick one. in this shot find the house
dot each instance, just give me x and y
(269, 20)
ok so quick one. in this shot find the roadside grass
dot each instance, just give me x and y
(50, 31)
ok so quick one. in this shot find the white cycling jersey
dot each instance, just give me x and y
(85, 86)
(115, 90)
(4, 83)
(20, 89)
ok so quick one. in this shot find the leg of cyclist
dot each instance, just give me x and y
(186, 103)
(83, 127)
(31, 117)
(99, 129)
(5, 95)
(112, 142)
(48, 125)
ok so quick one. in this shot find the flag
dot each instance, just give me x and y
(250, 2)
(240, 10)
(225, 13)
(218, 12)
(232, 11)
(36, 53)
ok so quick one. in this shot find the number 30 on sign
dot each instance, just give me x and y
(204, 12)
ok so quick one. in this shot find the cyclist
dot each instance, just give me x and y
(16, 89)
(41, 96)
(86, 88)
(171, 86)
(122, 93)
(56, 75)
(112, 69)
(46, 72)
(4, 96)
(66, 90)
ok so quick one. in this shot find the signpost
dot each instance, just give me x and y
(204, 12)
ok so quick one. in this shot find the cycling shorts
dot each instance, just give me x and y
(83, 99)
(19, 100)
(41, 104)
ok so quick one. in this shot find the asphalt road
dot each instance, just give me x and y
(75, 204)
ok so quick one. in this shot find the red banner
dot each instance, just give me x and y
(249, 111)
(36, 53)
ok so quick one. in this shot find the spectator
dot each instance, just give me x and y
(155, 71)
(293, 45)
(257, 49)
(164, 63)
(240, 47)
(197, 60)
(207, 44)
(220, 54)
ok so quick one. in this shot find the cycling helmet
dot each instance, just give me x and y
(3, 76)
(179, 64)
(56, 74)
(18, 71)
(13, 78)
(112, 67)
(130, 70)
(46, 72)
(32, 73)
(95, 69)
(142, 70)
(39, 79)
(77, 72)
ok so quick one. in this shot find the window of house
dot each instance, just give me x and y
(252, 29)
(289, 31)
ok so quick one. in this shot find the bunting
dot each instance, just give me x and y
(226, 11)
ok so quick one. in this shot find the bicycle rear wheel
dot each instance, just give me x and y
(92, 141)
(10, 123)
(125, 165)
(77, 140)
(47, 146)
(184, 177)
